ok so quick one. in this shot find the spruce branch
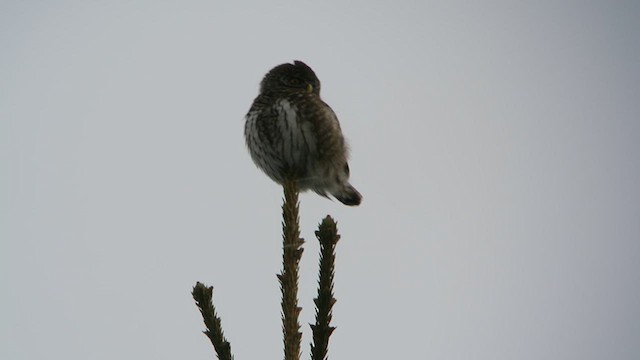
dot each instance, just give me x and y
(328, 237)
(203, 296)
(292, 252)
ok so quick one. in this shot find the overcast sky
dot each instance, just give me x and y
(496, 144)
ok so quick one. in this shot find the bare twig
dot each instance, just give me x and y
(328, 236)
(292, 252)
(203, 296)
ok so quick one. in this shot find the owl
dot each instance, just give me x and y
(292, 134)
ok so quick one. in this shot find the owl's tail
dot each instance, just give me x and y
(348, 195)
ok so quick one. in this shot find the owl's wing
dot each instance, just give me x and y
(331, 115)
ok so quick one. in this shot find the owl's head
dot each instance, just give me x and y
(296, 77)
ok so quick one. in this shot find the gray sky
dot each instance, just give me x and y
(496, 145)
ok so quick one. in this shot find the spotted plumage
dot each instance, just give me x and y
(291, 132)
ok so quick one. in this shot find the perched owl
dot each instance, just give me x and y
(291, 132)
